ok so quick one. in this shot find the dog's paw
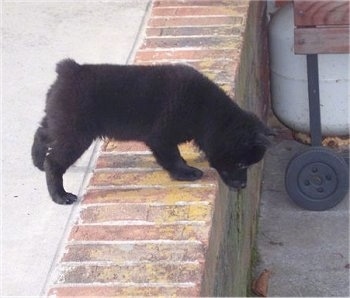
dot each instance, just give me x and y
(187, 174)
(66, 199)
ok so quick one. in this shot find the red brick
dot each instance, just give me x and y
(183, 55)
(115, 212)
(174, 251)
(102, 291)
(215, 66)
(221, 42)
(126, 146)
(139, 232)
(141, 161)
(177, 213)
(147, 178)
(193, 11)
(170, 195)
(145, 212)
(115, 161)
(194, 21)
(194, 31)
(164, 273)
(165, 3)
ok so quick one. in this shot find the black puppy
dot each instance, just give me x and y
(160, 105)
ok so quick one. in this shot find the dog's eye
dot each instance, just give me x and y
(242, 165)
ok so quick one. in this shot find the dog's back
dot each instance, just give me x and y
(119, 101)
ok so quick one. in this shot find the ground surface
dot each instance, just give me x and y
(307, 251)
(35, 36)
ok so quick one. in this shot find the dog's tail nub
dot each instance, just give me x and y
(67, 67)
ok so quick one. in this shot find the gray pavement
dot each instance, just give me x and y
(306, 251)
(37, 34)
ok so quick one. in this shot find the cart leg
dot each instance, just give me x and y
(314, 99)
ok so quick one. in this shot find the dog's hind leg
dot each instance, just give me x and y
(168, 156)
(40, 145)
(62, 155)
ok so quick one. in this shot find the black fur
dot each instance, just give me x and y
(160, 105)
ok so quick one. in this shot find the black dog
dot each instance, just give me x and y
(160, 105)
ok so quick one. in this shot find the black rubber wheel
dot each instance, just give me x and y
(317, 179)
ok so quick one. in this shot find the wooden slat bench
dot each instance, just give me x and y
(321, 27)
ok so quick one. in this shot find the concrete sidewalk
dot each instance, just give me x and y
(36, 35)
(307, 252)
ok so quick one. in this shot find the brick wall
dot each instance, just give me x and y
(235, 217)
(138, 232)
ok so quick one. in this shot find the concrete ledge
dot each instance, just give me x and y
(139, 233)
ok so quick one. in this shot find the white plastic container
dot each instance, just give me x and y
(289, 81)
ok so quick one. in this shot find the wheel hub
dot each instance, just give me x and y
(317, 180)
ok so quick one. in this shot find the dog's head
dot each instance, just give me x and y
(239, 152)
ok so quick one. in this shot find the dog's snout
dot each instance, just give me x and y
(237, 184)
(236, 180)
(243, 184)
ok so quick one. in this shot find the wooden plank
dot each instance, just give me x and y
(321, 40)
(316, 13)
(280, 3)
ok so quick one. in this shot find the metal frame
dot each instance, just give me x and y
(314, 99)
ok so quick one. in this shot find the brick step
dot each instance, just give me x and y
(133, 290)
(175, 231)
(202, 31)
(135, 251)
(155, 195)
(145, 212)
(137, 273)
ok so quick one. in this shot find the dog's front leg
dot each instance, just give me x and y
(54, 180)
(168, 156)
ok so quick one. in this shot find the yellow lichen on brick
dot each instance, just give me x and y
(189, 150)
(98, 253)
(174, 213)
(180, 195)
(200, 212)
(156, 178)
(206, 64)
